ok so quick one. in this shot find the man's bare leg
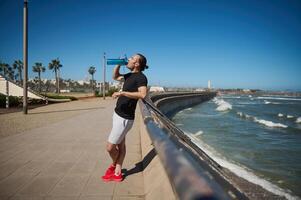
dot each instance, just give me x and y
(113, 151)
(121, 156)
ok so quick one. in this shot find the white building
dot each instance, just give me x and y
(82, 82)
(200, 90)
(64, 91)
(117, 84)
(156, 89)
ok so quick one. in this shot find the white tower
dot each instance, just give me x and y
(209, 84)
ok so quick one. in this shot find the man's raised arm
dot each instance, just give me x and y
(116, 75)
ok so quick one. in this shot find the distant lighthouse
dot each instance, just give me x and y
(209, 84)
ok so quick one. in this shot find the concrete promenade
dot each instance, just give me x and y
(58, 152)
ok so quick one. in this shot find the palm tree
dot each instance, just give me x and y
(2, 68)
(55, 65)
(38, 67)
(11, 72)
(18, 64)
(91, 71)
(7, 70)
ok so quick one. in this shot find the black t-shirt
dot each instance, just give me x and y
(125, 106)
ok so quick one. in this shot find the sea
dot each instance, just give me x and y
(256, 137)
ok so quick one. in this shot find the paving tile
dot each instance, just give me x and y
(96, 186)
(58, 168)
(69, 185)
(60, 198)
(128, 197)
(41, 185)
(4, 197)
(132, 185)
(69, 156)
(9, 167)
(26, 197)
(8, 154)
(11, 184)
(85, 168)
(99, 197)
(32, 168)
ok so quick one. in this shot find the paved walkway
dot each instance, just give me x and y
(65, 158)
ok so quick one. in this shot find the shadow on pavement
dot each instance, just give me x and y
(66, 110)
(140, 166)
(19, 109)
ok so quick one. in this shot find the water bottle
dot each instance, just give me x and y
(120, 61)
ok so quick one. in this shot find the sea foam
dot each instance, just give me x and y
(269, 102)
(200, 132)
(298, 120)
(279, 98)
(262, 121)
(243, 115)
(270, 123)
(222, 105)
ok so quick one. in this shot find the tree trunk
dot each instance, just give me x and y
(20, 76)
(56, 81)
(93, 82)
(39, 82)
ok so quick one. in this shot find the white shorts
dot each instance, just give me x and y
(120, 128)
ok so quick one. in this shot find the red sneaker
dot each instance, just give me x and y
(117, 178)
(109, 173)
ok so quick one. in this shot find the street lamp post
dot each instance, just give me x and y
(25, 54)
(104, 77)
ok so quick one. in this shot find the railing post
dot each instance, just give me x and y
(7, 93)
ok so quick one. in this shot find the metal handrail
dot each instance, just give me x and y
(191, 172)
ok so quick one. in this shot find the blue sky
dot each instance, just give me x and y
(235, 44)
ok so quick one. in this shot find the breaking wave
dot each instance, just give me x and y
(262, 121)
(222, 105)
(269, 102)
(279, 98)
(270, 123)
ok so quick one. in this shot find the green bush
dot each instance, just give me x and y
(111, 91)
(55, 96)
(13, 101)
(96, 93)
(36, 101)
(108, 93)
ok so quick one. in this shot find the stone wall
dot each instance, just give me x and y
(169, 105)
